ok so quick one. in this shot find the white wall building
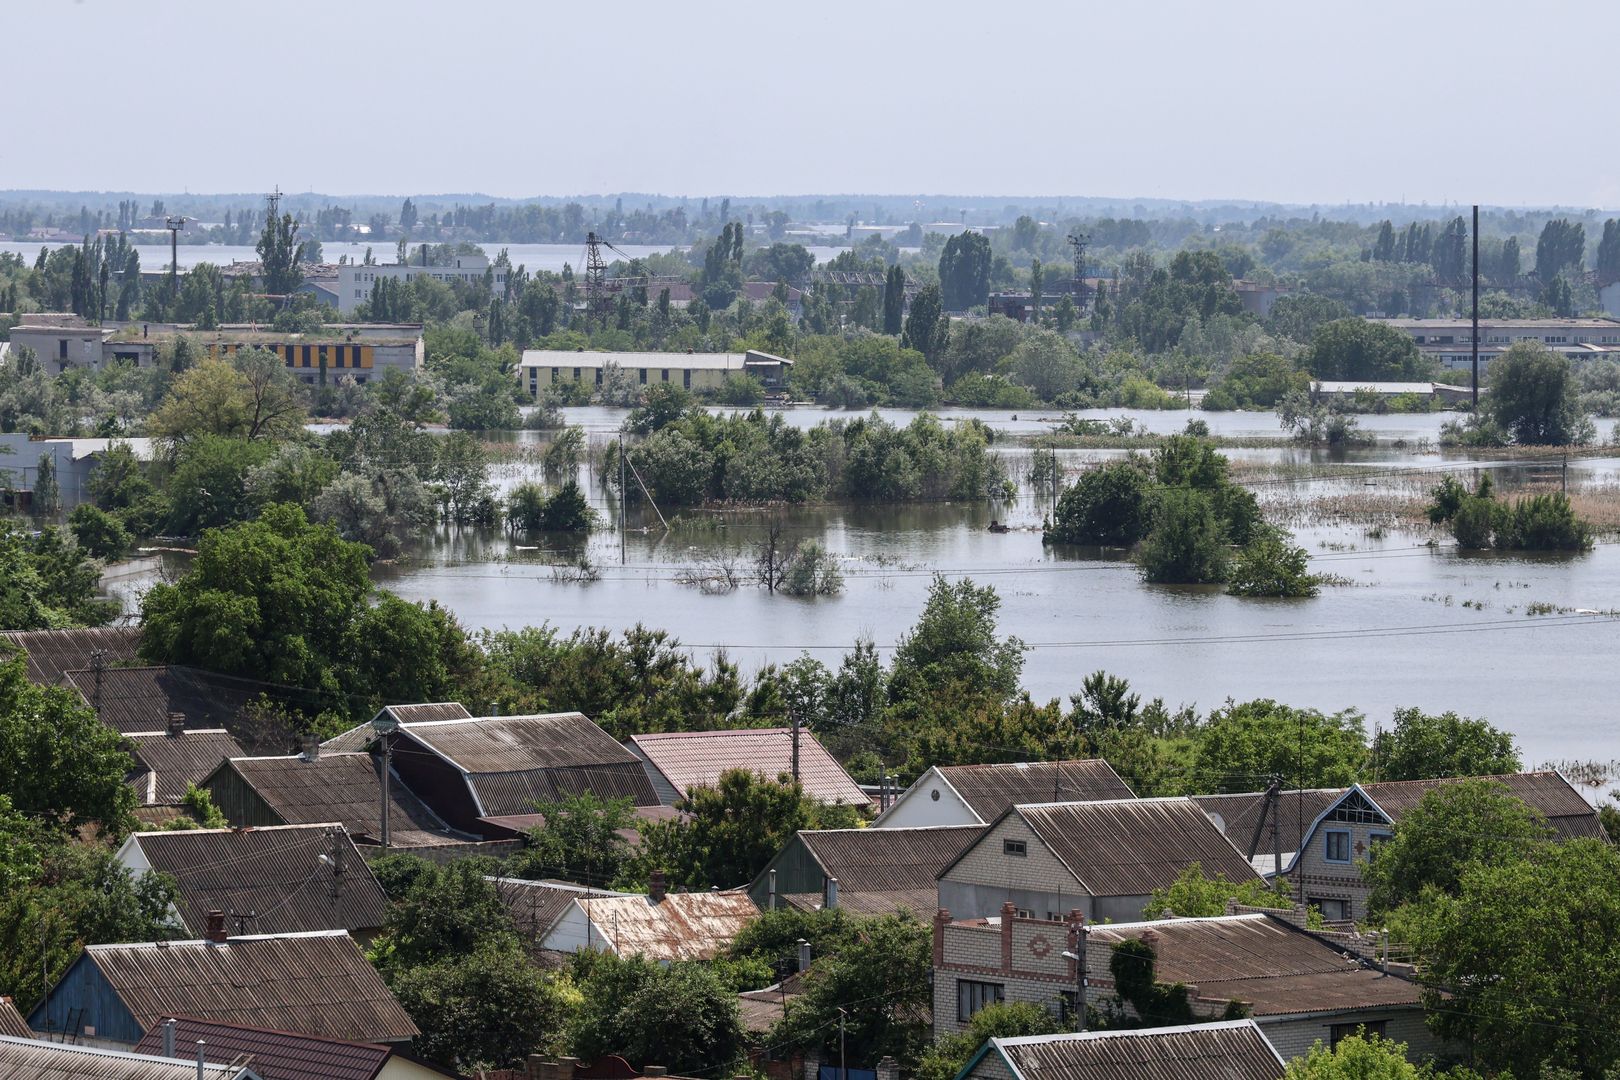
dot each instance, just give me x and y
(356, 280)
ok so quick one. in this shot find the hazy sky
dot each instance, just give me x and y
(1301, 101)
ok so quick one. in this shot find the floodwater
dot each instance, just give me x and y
(532, 257)
(1412, 624)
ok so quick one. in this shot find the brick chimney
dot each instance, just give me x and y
(215, 931)
(655, 887)
(177, 723)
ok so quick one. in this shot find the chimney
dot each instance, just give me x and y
(655, 1070)
(655, 887)
(202, 1062)
(832, 893)
(168, 1038)
(804, 955)
(215, 931)
(312, 747)
(770, 891)
(177, 723)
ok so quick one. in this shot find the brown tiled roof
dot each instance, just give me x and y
(320, 984)
(887, 860)
(167, 763)
(990, 789)
(513, 762)
(361, 736)
(1234, 1050)
(1274, 968)
(1548, 791)
(691, 759)
(274, 1055)
(681, 926)
(53, 653)
(26, 1059)
(12, 1022)
(276, 874)
(1130, 847)
(135, 699)
(345, 788)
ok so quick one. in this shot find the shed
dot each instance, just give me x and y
(978, 794)
(877, 870)
(658, 926)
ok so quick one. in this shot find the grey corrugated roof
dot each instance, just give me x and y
(920, 902)
(990, 789)
(134, 699)
(691, 759)
(169, 762)
(320, 984)
(53, 653)
(275, 1055)
(1237, 814)
(502, 794)
(1130, 847)
(345, 788)
(275, 873)
(1234, 1050)
(887, 860)
(535, 906)
(361, 736)
(1274, 968)
(12, 1022)
(1547, 791)
(27, 1059)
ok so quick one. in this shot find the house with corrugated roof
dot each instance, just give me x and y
(272, 880)
(1231, 1050)
(12, 1022)
(314, 983)
(1325, 836)
(865, 871)
(283, 1055)
(978, 794)
(678, 761)
(1104, 859)
(37, 1060)
(659, 925)
(51, 654)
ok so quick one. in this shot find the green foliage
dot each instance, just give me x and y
(730, 830)
(198, 811)
(489, 1008)
(1271, 565)
(98, 532)
(452, 911)
(1533, 395)
(740, 390)
(679, 1016)
(1002, 1020)
(1357, 1057)
(208, 488)
(1545, 522)
(773, 938)
(580, 841)
(1134, 965)
(1111, 504)
(58, 762)
(1188, 542)
(1193, 895)
(1256, 381)
(529, 509)
(1241, 745)
(881, 982)
(1529, 948)
(1452, 828)
(954, 643)
(1423, 746)
(1357, 350)
(964, 271)
(47, 583)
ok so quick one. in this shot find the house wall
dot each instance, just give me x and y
(796, 872)
(985, 877)
(667, 795)
(398, 1068)
(1024, 956)
(573, 932)
(990, 1067)
(85, 1003)
(237, 800)
(917, 806)
(60, 348)
(436, 782)
(1327, 884)
(19, 466)
(1294, 1036)
(534, 380)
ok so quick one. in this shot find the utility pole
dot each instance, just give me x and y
(1079, 241)
(174, 225)
(621, 500)
(1475, 353)
(795, 745)
(843, 1069)
(385, 725)
(1081, 977)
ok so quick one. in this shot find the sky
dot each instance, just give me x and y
(1302, 101)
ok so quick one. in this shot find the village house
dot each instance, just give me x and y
(978, 794)
(1104, 859)
(283, 1055)
(1231, 1050)
(865, 871)
(51, 654)
(661, 925)
(315, 983)
(38, 1060)
(273, 880)
(678, 761)
(1337, 829)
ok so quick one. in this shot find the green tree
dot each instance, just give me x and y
(1608, 254)
(1188, 542)
(1533, 394)
(1358, 350)
(1046, 363)
(964, 271)
(1193, 895)
(452, 912)
(249, 396)
(1356, 1057)
(679, 1016)
(730, 831)
(927, 327)
(1529, 950)
(489, 1008)
(280, 253)
(581, 840)
(773, 938)
(98, 532)
(1242, 744)
(1110, 504)
(1451, 828)
(1271, 564)
(1560, 247)
(47, 583)
(58, 762)
(954, 644)
(1423, 746)
(1002, 1020)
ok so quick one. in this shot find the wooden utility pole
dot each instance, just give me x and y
(1475, 353)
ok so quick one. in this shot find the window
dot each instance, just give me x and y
(1337, 1032)
(1337, 848)
(1332, 909)
(598, 375)
(61, 349)
(973, 996)
(666, 375)
(642, 376)
(1014, 847)
(686, 378)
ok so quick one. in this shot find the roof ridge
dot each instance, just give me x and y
(270, 1031)
(1078, 1036)
(110, 946)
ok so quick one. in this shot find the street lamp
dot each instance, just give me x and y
(385, 725)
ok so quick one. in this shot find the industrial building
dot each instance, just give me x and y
(541, 368)
(1450, 341)
(356, 280)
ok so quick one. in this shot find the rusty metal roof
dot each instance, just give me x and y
(990, 789)
(1232, 1050)
(134, 699)
(12, 1022)
(277, 874)
(167, 763)
(690, 759)
(1272, 966)
(274, 1055)
(345, 788)
(1547, 791)
(681, 926)
(27, 1059)
(535, 906)
(319, 984)
(1130, 847)
(887, 860)
(53, 653)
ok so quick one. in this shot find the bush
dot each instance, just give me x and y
(1543, 523)
(1187, 545)
(740, 390)
(98, 532)
(976, 390)
(1111, 504)
(1269, 565)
